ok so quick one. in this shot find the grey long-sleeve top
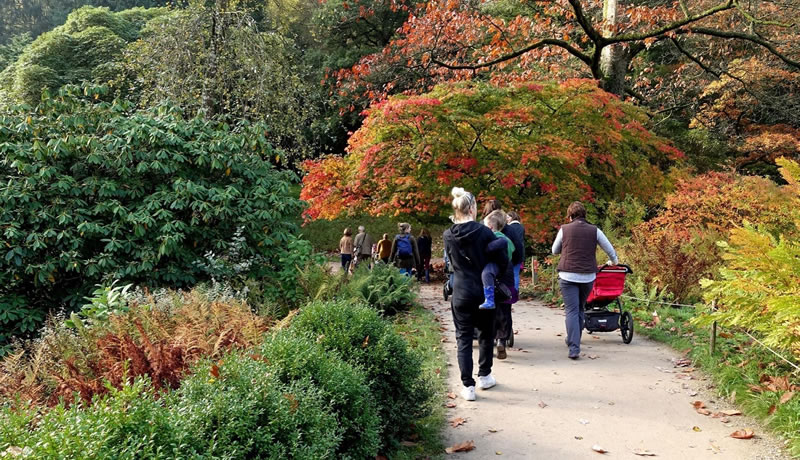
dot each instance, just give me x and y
(585, 277)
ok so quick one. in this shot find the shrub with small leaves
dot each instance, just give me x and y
(345, 387)
(238, 408)
(129, 423)
(362, 338)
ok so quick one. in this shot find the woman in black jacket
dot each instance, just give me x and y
(465, 243)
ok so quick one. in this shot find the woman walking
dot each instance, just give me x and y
(346, 249)
(577, 243)
(465, 244)
(405, 253)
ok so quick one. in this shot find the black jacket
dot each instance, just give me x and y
(516, 233)
(466, 246)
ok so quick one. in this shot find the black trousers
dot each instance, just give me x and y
(502, 321)
(466, 319)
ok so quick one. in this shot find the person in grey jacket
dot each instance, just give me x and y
(577, 242)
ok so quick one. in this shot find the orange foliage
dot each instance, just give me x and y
(535, 147)
(160, 339)
(678, 248)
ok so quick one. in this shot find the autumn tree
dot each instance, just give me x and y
(449, 39)
(534, 147)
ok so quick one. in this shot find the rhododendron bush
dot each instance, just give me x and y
(535, 147)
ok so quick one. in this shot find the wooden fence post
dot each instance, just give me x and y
(713, 345)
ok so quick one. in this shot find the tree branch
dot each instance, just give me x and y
(584, 22)
(669, 27)
(694, 59)
(747, 37)
(540, 44)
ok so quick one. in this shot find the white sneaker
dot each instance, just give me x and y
(468, 393)
(486, 382)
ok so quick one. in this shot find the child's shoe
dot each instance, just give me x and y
(488, 294)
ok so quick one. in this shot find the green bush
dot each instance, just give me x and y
(363, 338)
(90, 37)
(126, 424)
(100, 191)
(383, 288)
(344, 386)
(241, 409)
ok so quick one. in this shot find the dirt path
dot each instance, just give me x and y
(627, 398)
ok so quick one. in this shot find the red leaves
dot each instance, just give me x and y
(411, 150)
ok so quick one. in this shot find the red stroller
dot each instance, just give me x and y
(601, 313)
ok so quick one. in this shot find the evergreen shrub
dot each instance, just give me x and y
(362, 338)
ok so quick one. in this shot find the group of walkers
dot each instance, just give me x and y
(485, 262)
(405, 251)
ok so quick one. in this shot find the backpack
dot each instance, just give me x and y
(404, 246)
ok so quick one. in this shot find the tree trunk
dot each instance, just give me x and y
(613, 59)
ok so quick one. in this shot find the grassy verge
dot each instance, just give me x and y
(422, 333)
(742, 371)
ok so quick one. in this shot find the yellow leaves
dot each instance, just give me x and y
(228, 171)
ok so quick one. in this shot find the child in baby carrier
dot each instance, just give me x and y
(495, 287)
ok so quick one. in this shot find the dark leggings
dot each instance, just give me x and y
(467, 318)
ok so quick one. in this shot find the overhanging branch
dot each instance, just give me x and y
(669, 27)
(747, 37)
(540, 44)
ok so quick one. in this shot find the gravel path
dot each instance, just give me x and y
(623, 398)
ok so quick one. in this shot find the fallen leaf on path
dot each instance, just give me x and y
(498, 453)
(450, 405)
(730, 412)
(516, 332)
(595, 337)
(643, 453)
(742, 434)
(456, 422)
(559, 335)
(696, 429)
(692, 393)
(492, 430)
(702, 411)
(592, 356)
(786, 397)
(451, 395)
(682, 362)
(699, 404)
(579, 438)
(465, 446)
(542, 404)
(599, 449)
(444, 339)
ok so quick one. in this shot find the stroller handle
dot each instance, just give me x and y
(627, 268)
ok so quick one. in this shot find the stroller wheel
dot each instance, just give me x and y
(626, 327)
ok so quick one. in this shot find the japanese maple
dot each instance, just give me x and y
(534, 146)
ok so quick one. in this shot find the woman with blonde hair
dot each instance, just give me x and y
(465, 244)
